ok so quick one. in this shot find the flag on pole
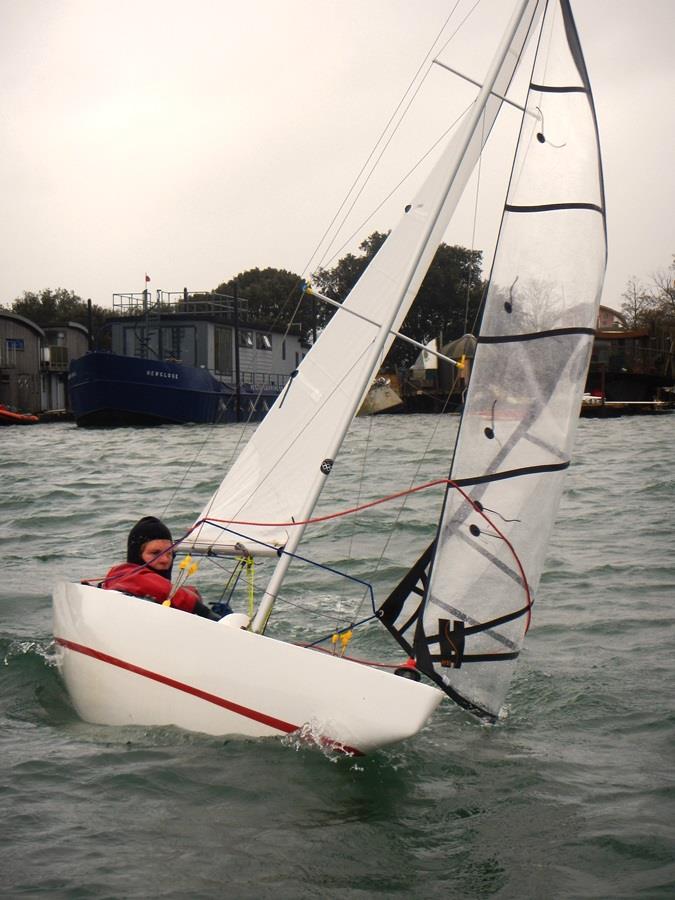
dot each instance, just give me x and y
(147, 278)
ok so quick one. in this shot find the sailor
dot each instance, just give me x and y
(147, 571)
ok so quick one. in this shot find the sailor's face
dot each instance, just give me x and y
(161, 562)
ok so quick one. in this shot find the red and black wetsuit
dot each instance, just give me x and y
(137, 578)
(132, 579)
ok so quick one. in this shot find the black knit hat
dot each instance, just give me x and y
(146, 529)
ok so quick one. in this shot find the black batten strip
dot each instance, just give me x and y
(563, 89)
(481, 657)
(530, 336)
(510, 473)
(553, 207)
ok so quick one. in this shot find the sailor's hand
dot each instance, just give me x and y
(202, 610)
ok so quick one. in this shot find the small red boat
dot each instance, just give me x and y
(12, 417)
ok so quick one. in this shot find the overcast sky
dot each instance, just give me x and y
(195, 140)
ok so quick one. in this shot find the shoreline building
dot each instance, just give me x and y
(34, 362)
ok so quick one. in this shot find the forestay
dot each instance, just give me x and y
(523, 402)
(280, 473)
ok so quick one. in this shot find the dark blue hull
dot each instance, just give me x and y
(106, 389)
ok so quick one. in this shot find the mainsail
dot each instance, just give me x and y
(523, 401)
(280, 473)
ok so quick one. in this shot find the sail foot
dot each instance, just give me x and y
(401, 614)
(452, 638)
(401, 609)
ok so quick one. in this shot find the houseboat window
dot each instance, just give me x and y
(15, 343)
(601, 352)
(167, 342)
(171, 344)
(246, 339)
(263, 341)
(179, 344)
(141, 342)
(283, 349)
(223, 350)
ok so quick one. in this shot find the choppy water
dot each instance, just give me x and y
(573, 795)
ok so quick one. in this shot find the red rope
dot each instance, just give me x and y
(508, 543)
(413, 490)
(326, 518)
(355, 509)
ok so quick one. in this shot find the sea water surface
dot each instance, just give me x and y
(571, 795)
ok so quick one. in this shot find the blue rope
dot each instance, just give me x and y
(279, 551)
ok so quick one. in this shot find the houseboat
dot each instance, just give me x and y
(182, 357)
(631, 369)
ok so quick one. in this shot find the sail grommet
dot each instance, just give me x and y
(508, 306)
(541, 138)
(326, 466)
(408, 207)
(489, 432)
(475, 530)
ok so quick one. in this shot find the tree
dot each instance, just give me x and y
(663, 292)
(653, 303)
(337, 282)
(272, 297)
(58, 307)
(447, 303)
(636, 303)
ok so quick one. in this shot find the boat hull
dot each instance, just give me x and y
(10, 417)
(107, 389)
(126, 661)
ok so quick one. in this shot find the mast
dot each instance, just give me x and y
(414, 272)
(237, 367)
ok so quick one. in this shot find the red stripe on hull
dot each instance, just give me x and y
(263, 718)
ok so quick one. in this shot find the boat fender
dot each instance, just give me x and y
(236, 620)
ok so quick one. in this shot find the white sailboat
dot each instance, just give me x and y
(462, 612)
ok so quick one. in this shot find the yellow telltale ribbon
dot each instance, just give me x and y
(250, 579)
(345, 638)
(186, 568)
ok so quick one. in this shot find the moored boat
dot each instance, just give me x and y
(108, 389)
(14, 417)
